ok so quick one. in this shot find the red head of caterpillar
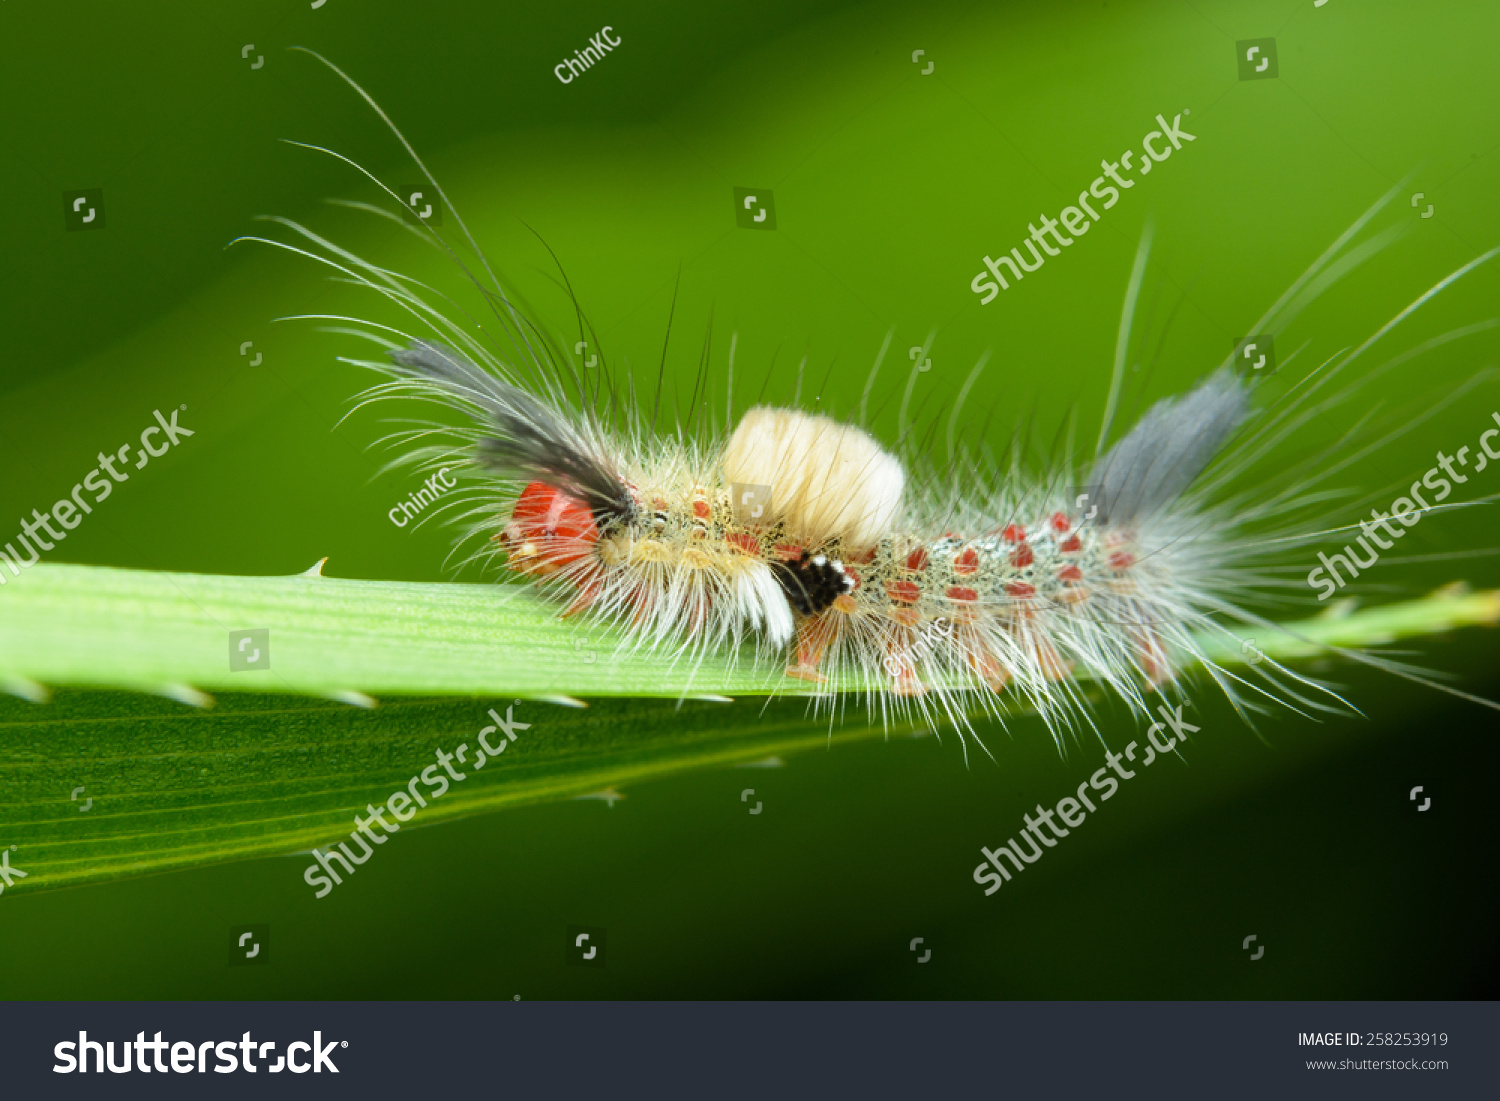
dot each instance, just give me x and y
(548, 531)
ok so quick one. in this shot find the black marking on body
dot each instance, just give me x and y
(812, 582)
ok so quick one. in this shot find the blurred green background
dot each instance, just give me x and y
(889, 187)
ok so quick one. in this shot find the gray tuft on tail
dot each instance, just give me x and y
(1169, 447)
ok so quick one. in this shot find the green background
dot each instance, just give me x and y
(889, 188)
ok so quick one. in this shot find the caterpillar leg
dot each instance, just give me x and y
(1152, 655)
(898, 661)
(587, 594)
(986, 666)
(1052, 663)
(903, 671)
(813, 636)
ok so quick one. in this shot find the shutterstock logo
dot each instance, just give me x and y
(403, 804)
(189, 1057)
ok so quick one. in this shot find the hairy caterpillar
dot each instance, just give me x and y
(834, 561)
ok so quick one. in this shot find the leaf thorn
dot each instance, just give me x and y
(315, 570)
(351, 697)
(26, 688)
(765, 762)
(186, 693)
(562, 701)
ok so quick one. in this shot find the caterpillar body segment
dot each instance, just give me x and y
(838, 574)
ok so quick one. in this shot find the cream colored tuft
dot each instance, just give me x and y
(828, 480)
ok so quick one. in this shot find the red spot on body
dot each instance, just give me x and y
(959, 593)
(966, 562)
(744, 542)
(701, 509)
(860, 556)
(902, 592)
(1070, 573)
(916, 561)
(1070, 544)
(787, 553)
(1014, 533)
(853, 575)
(1121, 560)
(1059, 522)
(1022, 556)
(1019, 589)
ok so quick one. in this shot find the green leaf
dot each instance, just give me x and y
(176, 787)
(162, 632)
(267, 771)
(170, 633)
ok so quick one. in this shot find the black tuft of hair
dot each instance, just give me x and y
(530, 443)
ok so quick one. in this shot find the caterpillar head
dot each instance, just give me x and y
(548, 530)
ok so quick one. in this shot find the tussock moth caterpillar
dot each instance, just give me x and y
(864, 569)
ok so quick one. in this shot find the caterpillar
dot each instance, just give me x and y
(850, 570)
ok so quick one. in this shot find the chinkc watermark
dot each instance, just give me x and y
(433, 488)
(599, 45)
